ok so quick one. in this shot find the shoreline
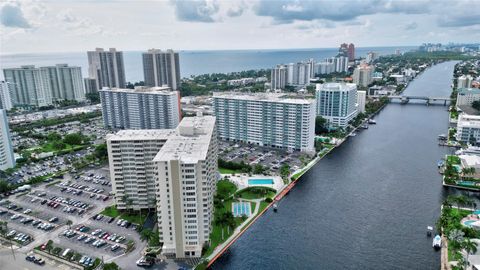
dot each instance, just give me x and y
(286, 189)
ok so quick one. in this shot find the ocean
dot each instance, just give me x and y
(193, 62)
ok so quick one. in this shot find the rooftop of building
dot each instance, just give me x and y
(163, 90)
(191, 141)
(336, 86)
(265, 97)
(471, 91)
(141, 134)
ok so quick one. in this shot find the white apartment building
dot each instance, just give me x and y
(340, 63)
(337, 102)
(272, 120)
(7, 159)
(161, 68)
(361, 99)
(466, 96)
(278, 77)
(362, 75)
(5, 99)
(371, 56)
(140, 108)
(187, 175)
(464, 81)
(132, 170)
(63, 82)
(106, 68)
(44, 85)
(28, 88)
(324, 68)
(468, 128)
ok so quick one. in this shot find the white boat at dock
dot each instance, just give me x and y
(353, 134)
(442, 137)
(437, 242)
(372, 122)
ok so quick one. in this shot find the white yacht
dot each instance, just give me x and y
(437, 242)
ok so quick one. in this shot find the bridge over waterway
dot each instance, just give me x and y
(404, 99)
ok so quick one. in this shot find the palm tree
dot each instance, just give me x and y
(470, 247)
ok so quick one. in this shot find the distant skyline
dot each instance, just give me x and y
(33, 26)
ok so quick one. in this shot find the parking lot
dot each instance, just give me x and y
(271, 158)
(28, 220)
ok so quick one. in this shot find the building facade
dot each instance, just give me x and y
(90, 85)
(464, 81)
(337, 102)
(7, 159)
(5, 99)
(361, 100)
(362, 75)
(278, 78)
(272, 120)
(132, 170)
(173, 170)
(468, 128)
(106, 68)
(64, 82)
(161, 68)
(28, 87)
(140, 108)
(466, 96)
(187, 174)
(43, 86)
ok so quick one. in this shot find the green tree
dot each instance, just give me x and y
(93, 97)
(321, 125)
(111, 266)
(4, 186)
(73, 139)
(258, 169)
(101, 151)
(53, 137)
(470, 247)
(284, 171)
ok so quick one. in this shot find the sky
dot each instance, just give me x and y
(32, 26)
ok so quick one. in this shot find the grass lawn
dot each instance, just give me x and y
(228, 171)
(216, 234)
(256, 193)
(225, 188)
(453, 159)
(133, 216)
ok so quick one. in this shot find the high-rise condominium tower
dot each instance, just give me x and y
(5, 99)
(6, 150)
(161, 68)
(140, 108)
(106, 67)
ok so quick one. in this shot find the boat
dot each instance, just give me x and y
(442, 137)
(437, 242)
(372, 122)
(274, 207)
(429, 231)
(353, 134)
(365, 126)
(440, 163)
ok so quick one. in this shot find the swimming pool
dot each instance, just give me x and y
(469, 223)
(253, 181)
(467, 183)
